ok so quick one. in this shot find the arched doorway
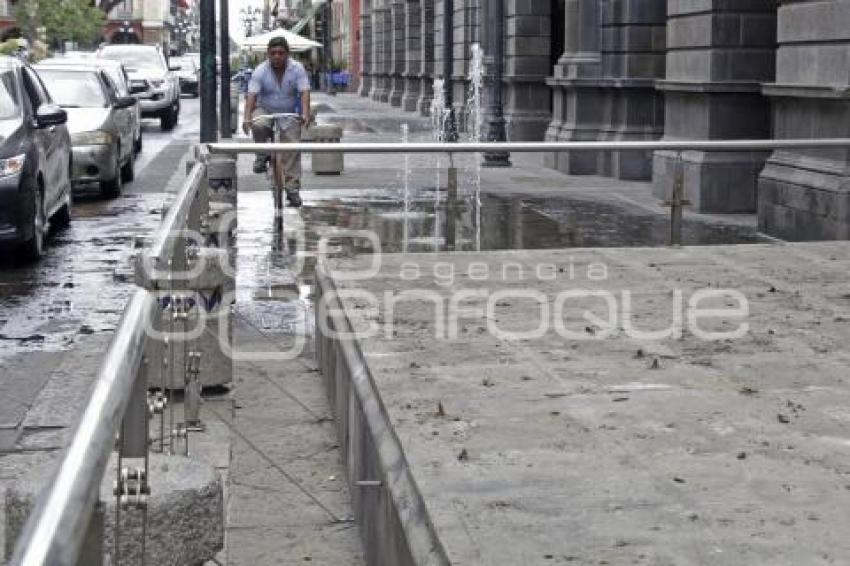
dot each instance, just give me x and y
(125, 37)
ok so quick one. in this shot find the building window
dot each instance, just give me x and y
(123, 10)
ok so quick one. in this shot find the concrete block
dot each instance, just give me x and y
(326, 163)
(185, 514)
(221, 175)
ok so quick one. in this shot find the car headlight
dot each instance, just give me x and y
(96, 137)
(11, 165)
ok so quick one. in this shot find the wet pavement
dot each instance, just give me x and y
(81, 286)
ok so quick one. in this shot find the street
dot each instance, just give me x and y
(73, 293)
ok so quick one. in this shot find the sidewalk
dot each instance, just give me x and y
(604, 444)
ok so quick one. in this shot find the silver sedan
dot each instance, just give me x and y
(101, 135)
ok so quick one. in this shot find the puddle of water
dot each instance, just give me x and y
(72, 289)
(505, 223)
(275, 273)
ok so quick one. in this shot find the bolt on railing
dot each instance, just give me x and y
(676, 202)
(66, 526)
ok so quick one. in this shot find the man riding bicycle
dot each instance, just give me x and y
(278, 85)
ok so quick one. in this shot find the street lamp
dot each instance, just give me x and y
(249, 16)
(496, 120)
(450, 126)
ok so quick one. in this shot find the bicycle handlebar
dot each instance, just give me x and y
(277, 116)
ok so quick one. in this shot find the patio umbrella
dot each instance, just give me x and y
(296, 42)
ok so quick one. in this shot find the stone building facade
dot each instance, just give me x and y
(651, 69)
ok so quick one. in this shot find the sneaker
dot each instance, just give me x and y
(294, 198)
(261, 164)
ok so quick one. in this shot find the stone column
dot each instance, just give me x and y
(366, 49)
(387, 61)
(632, 57)
(805, 195)
(426, 75)
(413, 62)
(718, 56)
(527, 98)
(398, 52)
(378, 82)
(576, 89)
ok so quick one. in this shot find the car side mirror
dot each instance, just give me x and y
(174, 67)
(124, 102)
(50, 115)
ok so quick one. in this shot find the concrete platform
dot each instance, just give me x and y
(585, 446)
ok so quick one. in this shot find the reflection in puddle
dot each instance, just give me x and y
(277, 271)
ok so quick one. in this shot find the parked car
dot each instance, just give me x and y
(117, 73)
(148, 62)
(99, 123)
(35, 159)
(188, 73)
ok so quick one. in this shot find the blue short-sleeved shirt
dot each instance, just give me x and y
(283, 96)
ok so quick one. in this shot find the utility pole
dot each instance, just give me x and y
(224, 51)
(496, 120)
(450, 130)
(209, 122)
(328, 41)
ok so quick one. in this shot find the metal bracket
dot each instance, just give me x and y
(157, 403)
(132, 488)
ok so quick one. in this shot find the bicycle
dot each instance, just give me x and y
(281, 121)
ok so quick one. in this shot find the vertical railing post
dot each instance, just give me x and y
(677, 202)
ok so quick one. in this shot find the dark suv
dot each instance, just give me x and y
(35, 159)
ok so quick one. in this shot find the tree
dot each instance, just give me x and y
(62, 20)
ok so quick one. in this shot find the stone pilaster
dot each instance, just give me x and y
(576, 89)
(805, 195)
(398, 49)
(527, 98)
(378, 91)
(719, 53)
(426, 87)
(366, 49)
(413, 61)
(388, 50)
(632, 45)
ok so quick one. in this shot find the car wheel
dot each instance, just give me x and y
(128, 172)
(168, 121)
(113, 187)
(33, 248)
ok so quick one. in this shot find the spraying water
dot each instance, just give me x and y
(405, 137)
(475, 121)
(439, 116)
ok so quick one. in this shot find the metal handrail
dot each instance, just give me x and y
(165, 238)
(532, 147)
(56, 528)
